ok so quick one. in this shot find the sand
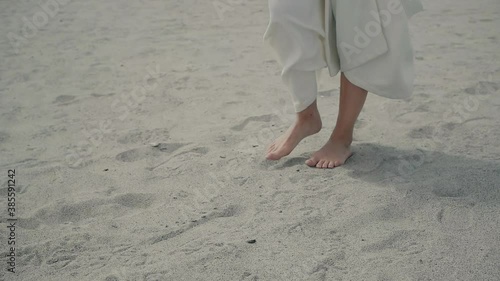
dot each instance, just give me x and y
(137, 130)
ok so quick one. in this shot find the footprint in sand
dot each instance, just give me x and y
(30, 256)
(325, 267)
(60, 260)
(182, 158)
(483, 88)
(95, 95)
(134, 200)
(261, 118)
(119, 274)
(64, 99)
(75, 212)
(402, 241)
(55, 254)
(396, 245)
(247, 276)
(424, 132)
(230, 211)
(156, 151)
(458, 217)
(144, 136)
(137, 154)
(197, 150)
(153, 276)
(148, 152)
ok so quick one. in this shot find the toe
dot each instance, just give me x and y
(325, 164)
(277, 154)
(271, 156)
(320, 164)
(311, 162)
(331, 164)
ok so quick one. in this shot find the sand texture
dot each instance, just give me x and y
(137, 130)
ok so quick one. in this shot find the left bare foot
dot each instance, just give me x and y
(308, 123)
(333, 154)
(286, 143)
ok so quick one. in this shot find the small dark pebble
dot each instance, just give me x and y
(175, 197)
(281, 211)
(251, 241)
(203, 216)
(255, 145)
(362, 239)
(105, 170)
(298, 170)
(222, 157)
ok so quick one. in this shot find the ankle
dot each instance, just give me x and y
(311, 113)
(308, 117)
(342, 137)
(312, 123)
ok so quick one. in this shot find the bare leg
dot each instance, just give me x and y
(308, 122)
(338, 148)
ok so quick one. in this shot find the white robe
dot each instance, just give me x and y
(368, 40)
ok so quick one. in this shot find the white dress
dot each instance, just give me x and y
(368, 40)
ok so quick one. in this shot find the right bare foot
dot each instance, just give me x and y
(333, 154)
(308, 123)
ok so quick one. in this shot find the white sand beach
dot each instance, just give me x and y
(137, 131)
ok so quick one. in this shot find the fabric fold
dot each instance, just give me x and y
(368, 40)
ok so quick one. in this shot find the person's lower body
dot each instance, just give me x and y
(296, 33)
(308, 122)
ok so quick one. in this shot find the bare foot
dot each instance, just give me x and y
(304, 126)
(333, 154)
